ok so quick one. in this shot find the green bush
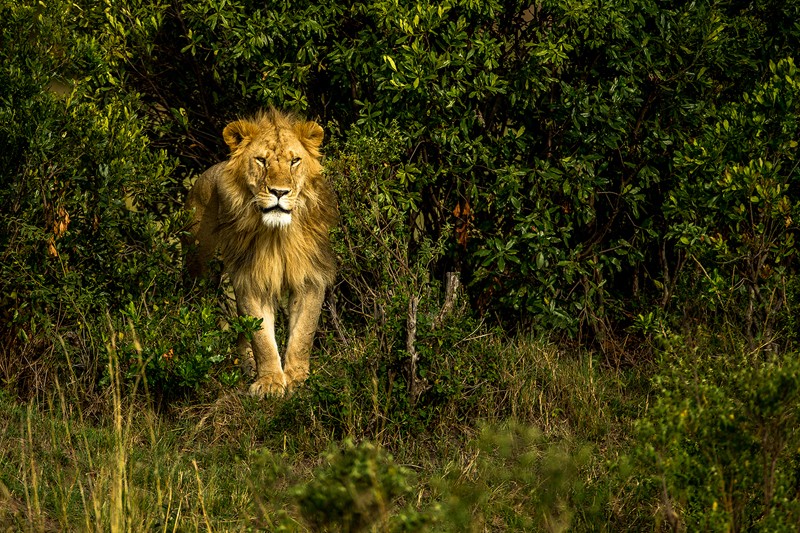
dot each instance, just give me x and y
(541, 150)
(356, 488)
(564, 160)
(722, 440)
(735, 214)
(89, 226)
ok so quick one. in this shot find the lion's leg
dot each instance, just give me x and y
(305, 306)
(269, 375)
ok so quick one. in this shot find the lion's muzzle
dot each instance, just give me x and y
(278, 209)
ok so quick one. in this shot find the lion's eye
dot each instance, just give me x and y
(295, 161)
(261, 161)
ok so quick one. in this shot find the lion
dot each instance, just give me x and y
(267, 211)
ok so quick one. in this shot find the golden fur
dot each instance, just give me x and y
(267, 210)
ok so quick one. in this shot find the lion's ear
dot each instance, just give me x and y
(237, 134)
(310, 134)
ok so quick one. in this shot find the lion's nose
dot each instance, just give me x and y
(279, 192)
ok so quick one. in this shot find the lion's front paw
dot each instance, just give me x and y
(270, 385)
(295, 377)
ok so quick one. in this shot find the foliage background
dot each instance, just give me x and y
(619, 178)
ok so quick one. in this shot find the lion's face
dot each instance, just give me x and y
(275, 158)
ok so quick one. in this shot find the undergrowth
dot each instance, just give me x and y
(532, 449)
(525, 436)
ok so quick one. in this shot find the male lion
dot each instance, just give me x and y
(267, 210)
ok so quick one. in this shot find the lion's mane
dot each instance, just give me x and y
(258, 257)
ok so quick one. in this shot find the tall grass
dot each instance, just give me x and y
(528, 447)
(116, 470)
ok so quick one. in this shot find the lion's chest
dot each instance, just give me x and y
(271, 263)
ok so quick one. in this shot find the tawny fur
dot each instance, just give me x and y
(271, 151)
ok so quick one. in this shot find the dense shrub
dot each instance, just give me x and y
(735, 212)
(544, 149)
(722, 441)
(89, 227)
(555, 155)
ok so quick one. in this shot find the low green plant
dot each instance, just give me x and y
(721, 440)
(516, 479)
(357, 486)
(175, 346)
